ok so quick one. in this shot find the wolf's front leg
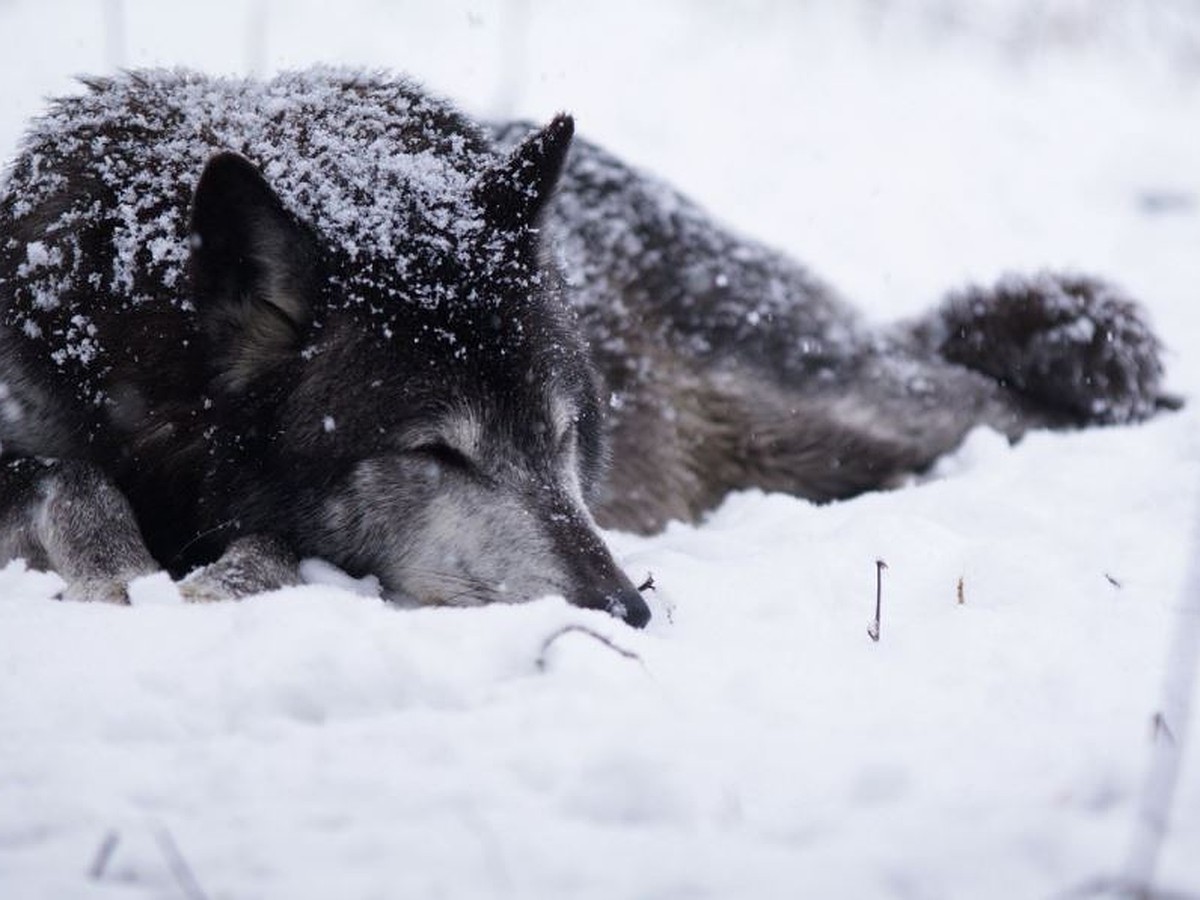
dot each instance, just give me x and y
(250, 565)
(68, 516)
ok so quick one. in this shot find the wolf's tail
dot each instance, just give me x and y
(1073, 343)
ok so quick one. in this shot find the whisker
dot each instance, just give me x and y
(199, 537)
(455, 599)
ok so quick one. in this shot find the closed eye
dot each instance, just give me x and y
(445, 455)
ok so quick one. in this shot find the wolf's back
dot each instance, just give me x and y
(649, 268)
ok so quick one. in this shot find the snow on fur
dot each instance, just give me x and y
(373, 163)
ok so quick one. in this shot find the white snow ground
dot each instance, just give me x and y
(315, 743)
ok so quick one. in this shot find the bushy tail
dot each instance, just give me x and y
(1073, 343)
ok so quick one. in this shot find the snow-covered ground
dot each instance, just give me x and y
(994, 742)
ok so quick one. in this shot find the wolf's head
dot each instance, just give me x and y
(428, 415)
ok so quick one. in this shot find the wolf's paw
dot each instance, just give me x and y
(226, 579)
(1075, 343)
(251, 565)
(201, 587)
(96, 590)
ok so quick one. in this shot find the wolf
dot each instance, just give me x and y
(327, 314)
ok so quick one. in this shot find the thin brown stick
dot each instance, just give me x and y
(180, 870)
(582, 629)
(103, 854)
(1160, 730)
(873, 628)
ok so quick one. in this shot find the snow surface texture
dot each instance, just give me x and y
(315, 743)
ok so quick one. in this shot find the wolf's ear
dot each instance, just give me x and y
(514, 193)
(253, 267)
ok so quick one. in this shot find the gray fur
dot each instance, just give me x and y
(329, 315)
(69, 517)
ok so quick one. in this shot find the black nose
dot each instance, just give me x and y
(623, 602)
(628, 604)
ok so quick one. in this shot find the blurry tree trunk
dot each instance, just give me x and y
(114, 34)
(256, 38)
(514, 54)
